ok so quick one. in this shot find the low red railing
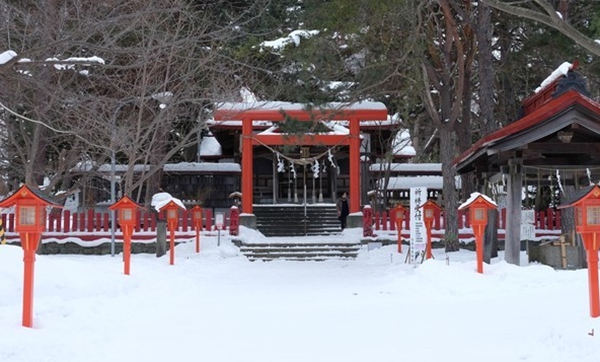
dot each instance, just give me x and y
(549, 219)
(91, 221)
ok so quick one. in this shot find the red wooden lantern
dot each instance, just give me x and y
(478, 205)
(587, 210)
(30, 207)
(197, 220)
(429, 209)
(401, 212)
(127, 212)
(172, 210)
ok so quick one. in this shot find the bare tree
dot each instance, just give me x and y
(89, 79)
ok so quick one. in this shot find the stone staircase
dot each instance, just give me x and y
(294, 220)
(300, 252)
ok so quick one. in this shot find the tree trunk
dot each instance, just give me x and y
(447, 153)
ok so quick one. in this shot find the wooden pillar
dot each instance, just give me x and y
(512, 240)
(354, 165)
(247, 179)
(275, 180)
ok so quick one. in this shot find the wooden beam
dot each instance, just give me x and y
(306, 140)
(564, 148)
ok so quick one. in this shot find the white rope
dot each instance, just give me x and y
(316, 169)
(280, 164)
(559, 183)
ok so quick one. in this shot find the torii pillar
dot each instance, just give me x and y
(354, 202)
(247, 175)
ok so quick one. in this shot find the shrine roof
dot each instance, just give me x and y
(570, 108)
(278, 111)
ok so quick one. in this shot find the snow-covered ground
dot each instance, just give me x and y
(217, 306)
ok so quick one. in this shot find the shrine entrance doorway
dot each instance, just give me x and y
(350, 114)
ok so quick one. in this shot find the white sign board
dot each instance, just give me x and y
(418, 232)
(527, 227)
(219, 216)
(527, 217)
(527, 232)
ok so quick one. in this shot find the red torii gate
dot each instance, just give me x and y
(279, 111)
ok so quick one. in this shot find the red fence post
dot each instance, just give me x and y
(437, 220)
(90, 220)
(67, 221)
(393, 219)
(558, 220)
(367, 221)
(384, 220)
(208, 214)
(377, 221)
(184, 223)
(234, 221)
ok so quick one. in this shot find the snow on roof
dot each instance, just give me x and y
(402, 144)
(168, 167)
(202, 167)
(160, 199)
(238, 123)
(6, 56)
(292, 38)
(561, 71)
(289, 106)
(405, 183)
(261, 123)
(407, 167)
(472, 198)
(210, 147)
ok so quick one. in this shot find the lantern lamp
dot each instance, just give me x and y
(171, 209)
(127, 211)
(478, 205)
(197, 220)
(400, 214)
(429, 210)
(30, 207)
(587, 219)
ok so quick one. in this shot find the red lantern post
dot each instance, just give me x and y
(478, 206)
(587, 209)
(429, 209)
(197, 220)
(400, 213)
(127, 211)
(30, 224)
(172, 210)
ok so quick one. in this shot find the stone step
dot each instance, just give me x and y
(300, 252)
(279, 220)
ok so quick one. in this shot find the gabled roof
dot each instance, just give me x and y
(579, 196)
(568, 109)
(29, 193)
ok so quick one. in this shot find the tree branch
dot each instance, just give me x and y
(551, 19)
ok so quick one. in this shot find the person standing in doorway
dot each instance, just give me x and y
(342, 209)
